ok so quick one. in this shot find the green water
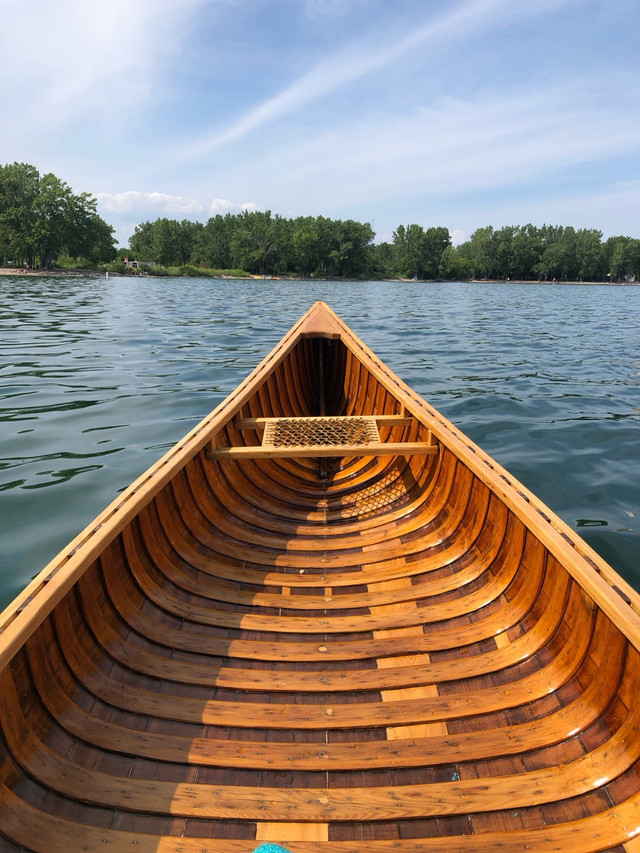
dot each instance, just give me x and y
(98, 377)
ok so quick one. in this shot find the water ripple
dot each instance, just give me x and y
(98, 378)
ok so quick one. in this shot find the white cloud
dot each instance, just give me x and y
(458, 237)
(73, 59)
(127, 209)
(223, 205)
(132, 200)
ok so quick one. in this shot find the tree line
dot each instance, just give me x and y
(262, 243)
(41, 219)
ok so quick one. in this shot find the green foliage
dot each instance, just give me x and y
(419, 253)
(259, 242)
(548, 253)
(41, 218)
(266, 244)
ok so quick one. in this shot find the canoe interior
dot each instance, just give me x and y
(368, 653)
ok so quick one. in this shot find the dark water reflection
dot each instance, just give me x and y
(98, 377)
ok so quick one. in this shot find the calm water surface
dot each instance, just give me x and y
(98, 377)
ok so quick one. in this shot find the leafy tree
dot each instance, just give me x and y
(419, 252)
(436, 242)
(19, 189)
(254, 241)
(589, 254)
(383, 260)
(621, 257)
(482, 252)
(40, 218)
(454, 266)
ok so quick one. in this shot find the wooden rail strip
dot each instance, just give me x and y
(261, 511)
(192, 529)
(503, 572)
(227, 538)
(83, 659)
(191, 547)
(483, 628)
(395, 487)
(300, 475)
(165, 585)
(104, 623)
(619, 752)
(190, 636)
(47, 833)
(330, 621)
(391, 448)
(210, 515)
(198, 574)
(267, 529)
(562, 724)
(251, 485)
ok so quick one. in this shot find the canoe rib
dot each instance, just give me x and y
(393, 651)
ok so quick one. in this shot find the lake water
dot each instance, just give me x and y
(98, 377)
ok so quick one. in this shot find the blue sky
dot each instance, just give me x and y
(461, 113)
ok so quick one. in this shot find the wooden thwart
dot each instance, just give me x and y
(323, 436)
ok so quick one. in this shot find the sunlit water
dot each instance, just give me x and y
(98, 377)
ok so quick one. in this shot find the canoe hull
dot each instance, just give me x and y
(386, 648)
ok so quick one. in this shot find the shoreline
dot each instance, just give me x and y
(13, 271)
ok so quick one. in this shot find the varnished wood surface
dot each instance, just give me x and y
(356, 654)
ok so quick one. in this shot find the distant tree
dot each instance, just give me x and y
(383, 260)
(40, 218)
(212, 243)
(589, 254)
(166, 242)
(482, 252)
(435, 243)
(311, 243)
(254, 241)
(351, 257)
(141, 242)
(261, 242)
(19, 189)
(454, 266)
(621, 258)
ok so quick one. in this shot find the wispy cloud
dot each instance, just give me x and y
(364, 57)
(134, 201)
(72, 58)
(223, 205)
(453, 146)
(164, 204)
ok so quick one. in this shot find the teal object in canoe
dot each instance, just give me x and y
(270, 848)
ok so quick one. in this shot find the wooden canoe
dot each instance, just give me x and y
(326, 619)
